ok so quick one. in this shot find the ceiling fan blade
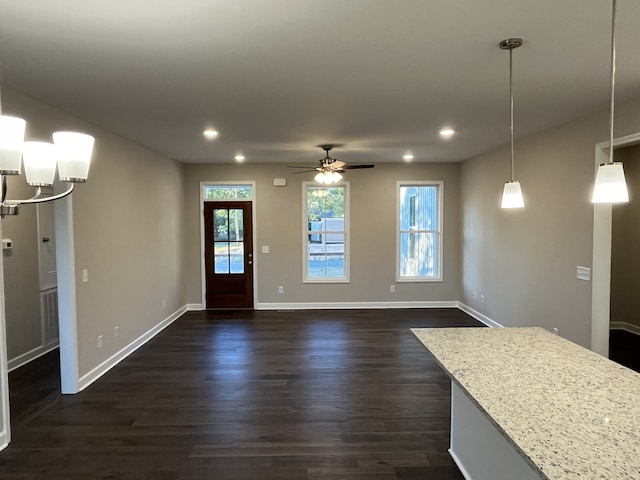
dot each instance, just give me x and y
(336, 164)
(352, 167)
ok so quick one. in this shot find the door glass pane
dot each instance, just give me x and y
(221, 228)
(236, 225)
(221, 257)
(236, 257)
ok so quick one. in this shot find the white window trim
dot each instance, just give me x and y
(252, 199)
(347, 235)
(439, 231)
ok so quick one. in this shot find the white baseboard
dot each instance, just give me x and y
(629, 327)
(111, 362)
(31, 355)
(4, 439)
(478, 316)
(194, 307)
(353, 305)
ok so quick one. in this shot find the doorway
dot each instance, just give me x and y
(601, 263)
(48, 273)
(228, 240)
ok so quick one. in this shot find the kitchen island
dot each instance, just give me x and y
(528, 404)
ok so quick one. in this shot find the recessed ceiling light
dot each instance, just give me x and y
(210, 133)
(239, 158)
(408, 157)
(447, 132)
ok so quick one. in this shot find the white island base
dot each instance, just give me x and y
(480, 451)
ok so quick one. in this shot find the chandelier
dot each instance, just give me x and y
(69, 153)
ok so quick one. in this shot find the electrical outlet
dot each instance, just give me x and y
(556, 331)
(100, 341)
(392, 288)
(116, 331)
(280, 289)
(164, 303)
(475, 295)
(481, 298)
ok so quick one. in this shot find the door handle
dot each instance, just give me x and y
(45, 240)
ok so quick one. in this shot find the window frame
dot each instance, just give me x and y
(305, 234)
(439, 184)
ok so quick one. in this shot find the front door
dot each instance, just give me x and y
(228, 254)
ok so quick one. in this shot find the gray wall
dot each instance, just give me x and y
(373, 223)
(625, 255)
(524, 261)
(21, 274)
(127, 233)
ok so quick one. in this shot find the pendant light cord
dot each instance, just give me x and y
(511, 106)
(613, 80)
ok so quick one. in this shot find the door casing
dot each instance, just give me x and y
(203, 273)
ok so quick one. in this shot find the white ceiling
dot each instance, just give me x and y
(277, 77)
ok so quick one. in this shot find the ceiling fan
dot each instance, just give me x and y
(329, 169)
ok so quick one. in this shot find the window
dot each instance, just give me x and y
(325, 230)
(225, 192)
(419, 241)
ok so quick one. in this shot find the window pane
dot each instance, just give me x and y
(326, 260)
(418, 254)
(236, 226)
(222, 192)
(237, 257)
(418, 207)
(221, 257)
(221, 231)
(325, 202)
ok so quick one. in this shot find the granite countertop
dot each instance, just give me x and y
(571, 413)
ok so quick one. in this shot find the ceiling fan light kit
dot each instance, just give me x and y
(330, 170)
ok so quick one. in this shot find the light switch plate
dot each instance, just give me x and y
(265, 248)
(583, 273)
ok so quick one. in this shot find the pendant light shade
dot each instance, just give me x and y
(512, 195)
(611, 186)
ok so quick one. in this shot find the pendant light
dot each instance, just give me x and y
(611, 186)
(512, 194)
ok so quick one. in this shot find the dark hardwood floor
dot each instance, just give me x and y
(310, 395)
(624, 348)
